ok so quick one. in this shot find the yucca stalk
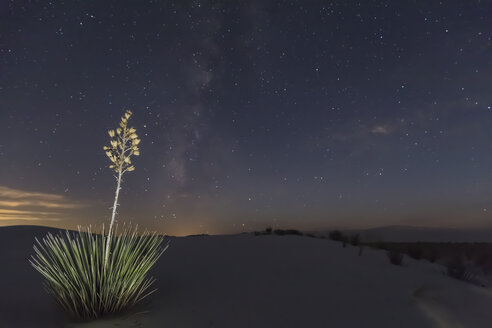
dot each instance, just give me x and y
(123, 144)
(77, 275)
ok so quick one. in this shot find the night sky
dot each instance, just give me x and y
(291, 114)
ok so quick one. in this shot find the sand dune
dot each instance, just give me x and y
(264, 281)
(401, 233)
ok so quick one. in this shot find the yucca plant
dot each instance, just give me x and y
(91, 274)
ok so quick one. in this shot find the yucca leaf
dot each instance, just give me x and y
(72, 266)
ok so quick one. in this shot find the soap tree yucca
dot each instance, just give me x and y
(91, 274)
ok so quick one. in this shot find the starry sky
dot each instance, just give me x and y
(292, 114)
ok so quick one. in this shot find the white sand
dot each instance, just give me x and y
(265, 281)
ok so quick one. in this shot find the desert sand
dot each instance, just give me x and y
(259, 281)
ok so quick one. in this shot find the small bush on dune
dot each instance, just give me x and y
(395, 257)
(456, 268)
(76, 275)
(336, 235)
(432, 254)
(415, 252)
(355, 240)
(484, 261)
(381, 245)
(293, 232)
(282, 232)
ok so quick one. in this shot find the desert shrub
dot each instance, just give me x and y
(257, 233)
(415, 252)
(381, 245)
(469, 251)
(336, 235)
(456, 268)
(282, 232)
(76, 274)
(344, 241)
(432, 254)
(484, 261)
(310, 235)
(268, 231)
(355, 240)
(395, 257)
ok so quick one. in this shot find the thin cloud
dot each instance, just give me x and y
(382, 129)
(37, 203)
(356, 132)
(17, 215)
(19, 205)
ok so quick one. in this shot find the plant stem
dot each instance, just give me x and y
(117, 193)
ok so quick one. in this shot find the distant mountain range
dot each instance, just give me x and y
(400, 233)
(396, 233)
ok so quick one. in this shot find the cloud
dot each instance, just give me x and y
(35, 202)
(18, 205)
(382, 129)
(355, 131)
(18, 215)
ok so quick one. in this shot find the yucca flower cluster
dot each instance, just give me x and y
(123, 145)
